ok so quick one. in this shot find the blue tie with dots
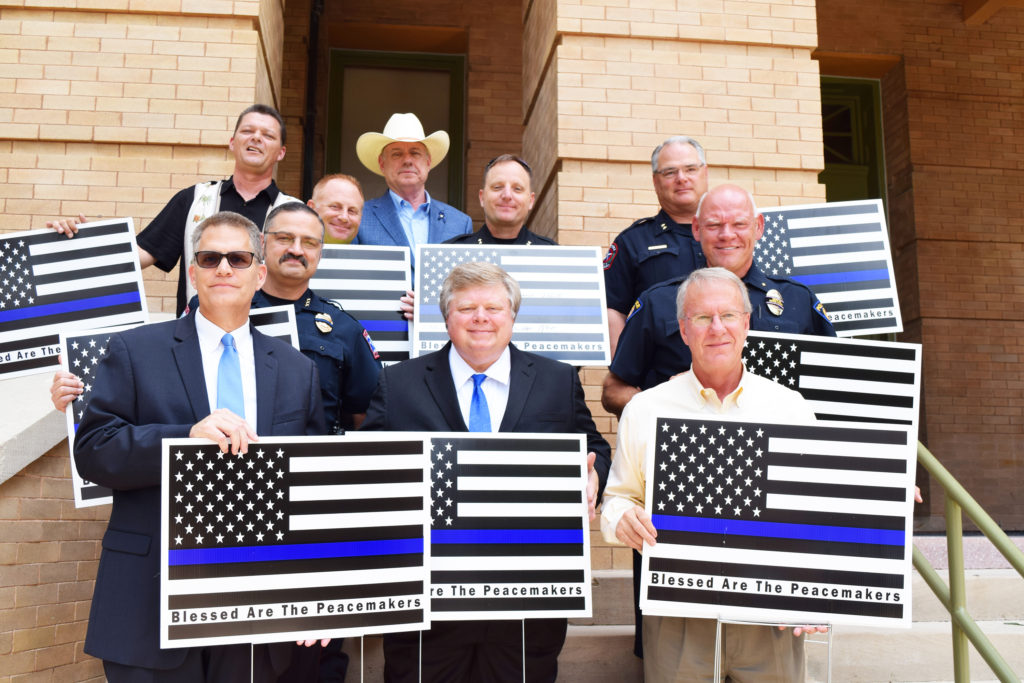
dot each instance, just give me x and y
(229, 379)
(479, 415)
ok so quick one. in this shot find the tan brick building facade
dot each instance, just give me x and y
(110, 106)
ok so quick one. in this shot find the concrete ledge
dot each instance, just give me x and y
(30, 426)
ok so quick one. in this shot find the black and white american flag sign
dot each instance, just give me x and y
(49, 284)
(368, 281)
(509, 530)
(852, 380)
(562, 315)
(779, 523)
(299, 538)
(841, 251)
(81, 351)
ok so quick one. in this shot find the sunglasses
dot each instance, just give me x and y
(212, 259)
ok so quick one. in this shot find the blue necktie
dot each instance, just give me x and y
(229, 379)
(479, 415)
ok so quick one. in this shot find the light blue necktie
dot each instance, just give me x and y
(229, 379)
(479, 415)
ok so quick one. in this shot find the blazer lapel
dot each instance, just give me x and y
(189, 360)
(520, 382)
(438, 222)
(442, 387)
(387, 216)
(266, 381)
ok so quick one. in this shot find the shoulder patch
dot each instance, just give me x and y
(369, 342)
(637, 305)
(820, 308)
(609, 258)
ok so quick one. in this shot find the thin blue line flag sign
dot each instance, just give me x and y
(51, 284)
(304, 537)
(563, 314)
(509, 526)
(841, 251)
(775, 523)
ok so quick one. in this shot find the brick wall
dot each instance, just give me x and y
(953, 111)
(49, 552)
(108, 112)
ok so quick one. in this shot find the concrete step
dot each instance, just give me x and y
(924, 653)
(601, 648)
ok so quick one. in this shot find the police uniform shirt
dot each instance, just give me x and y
(341, 349)
(650, 251)
(651, 350)
(484, 236)
(164, 237)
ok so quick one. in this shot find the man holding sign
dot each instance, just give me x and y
(479, 382)
(713, 309)
(207, 375)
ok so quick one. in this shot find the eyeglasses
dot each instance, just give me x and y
(212, 259)
(703, 320)
(287, 239)
(672, 172)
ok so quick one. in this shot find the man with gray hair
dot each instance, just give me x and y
(480, 382)
(713, 310)
(208, 375)
(661, 246)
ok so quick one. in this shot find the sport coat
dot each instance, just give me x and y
(148, 387)
(380, 224)
(544, 395)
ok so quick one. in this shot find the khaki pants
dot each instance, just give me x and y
(678, 650)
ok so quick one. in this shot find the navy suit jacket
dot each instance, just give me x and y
(148, 387)
(544, 395)
(380, 224)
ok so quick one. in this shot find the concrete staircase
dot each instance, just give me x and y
(600, 650)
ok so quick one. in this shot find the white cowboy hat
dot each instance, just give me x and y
(400, 128)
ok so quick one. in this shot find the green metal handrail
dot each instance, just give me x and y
(953, 597)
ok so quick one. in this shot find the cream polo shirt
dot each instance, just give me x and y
(756, 399)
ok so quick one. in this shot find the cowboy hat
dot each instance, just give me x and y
(400, 128)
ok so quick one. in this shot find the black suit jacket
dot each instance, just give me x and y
(148, 387)
(544, 396)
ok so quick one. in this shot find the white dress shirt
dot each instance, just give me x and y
(495, 386)
(211, 349)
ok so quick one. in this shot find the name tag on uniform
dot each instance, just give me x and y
(655, 247)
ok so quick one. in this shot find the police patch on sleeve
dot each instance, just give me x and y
(610, 256)
(369, 342)
(637, 305)
(820, 308)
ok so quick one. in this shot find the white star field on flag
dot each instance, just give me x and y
(15, 279)
(223, 500)
(772, 252)
(715, 472)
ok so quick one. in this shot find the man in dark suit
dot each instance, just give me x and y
(208, 375)
(406, 215)
(480, 382)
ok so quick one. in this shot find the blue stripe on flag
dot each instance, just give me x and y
(311, 551)
(384, 325)
(850, 276)
(506, 536)
(737, 527)
(69, 306)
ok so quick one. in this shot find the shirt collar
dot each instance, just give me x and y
(500, 370)
(210, 334)
(705, 397)
(270, 190)
(404, 204)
